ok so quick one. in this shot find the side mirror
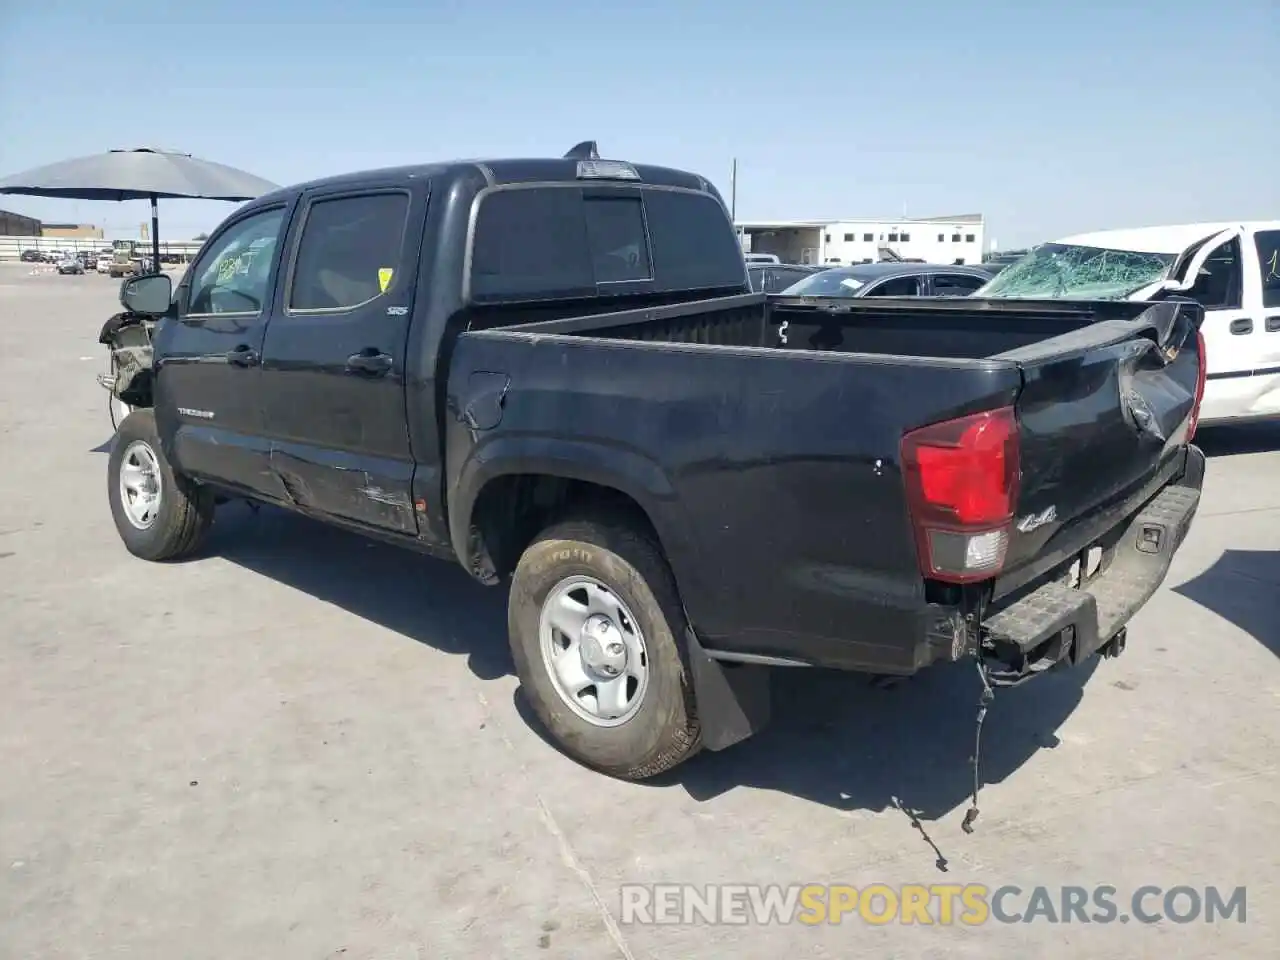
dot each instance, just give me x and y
(149, 295)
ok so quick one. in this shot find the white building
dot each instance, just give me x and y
(955, 239)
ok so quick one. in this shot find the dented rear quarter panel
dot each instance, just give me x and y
(771, 476)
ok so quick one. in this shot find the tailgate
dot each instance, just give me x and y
(1103, 416)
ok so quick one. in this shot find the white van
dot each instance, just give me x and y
(1232, 269)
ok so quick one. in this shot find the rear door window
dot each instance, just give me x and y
(896, 287)
(955, 284)
(349, 251)
(1268, 244)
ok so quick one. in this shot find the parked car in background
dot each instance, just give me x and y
(776, 277)
(902, 279)
(54, 256)
(30, 256)
(104, 263)
(70, 265)
(89, 259)
(1231, 269)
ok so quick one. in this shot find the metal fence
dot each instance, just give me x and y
(11, 247)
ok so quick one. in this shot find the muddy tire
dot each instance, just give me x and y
(159, 515)
(597, 635)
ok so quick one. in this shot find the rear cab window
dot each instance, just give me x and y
(550, 242)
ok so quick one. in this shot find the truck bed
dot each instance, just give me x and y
(769, 431)
(959, 328)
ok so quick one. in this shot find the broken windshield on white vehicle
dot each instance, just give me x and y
(1056, 271)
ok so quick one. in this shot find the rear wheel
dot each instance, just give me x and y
(597, 635)
(158, 514)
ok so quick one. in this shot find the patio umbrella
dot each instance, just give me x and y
(143, 173)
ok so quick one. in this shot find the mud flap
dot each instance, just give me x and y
(733, 699)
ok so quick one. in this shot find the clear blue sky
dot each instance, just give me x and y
(1047, 117)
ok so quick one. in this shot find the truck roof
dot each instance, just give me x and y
(498, 171)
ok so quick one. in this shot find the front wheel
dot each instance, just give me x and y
(158, 514)
(597, 635)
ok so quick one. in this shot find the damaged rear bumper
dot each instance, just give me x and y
(1065, 622)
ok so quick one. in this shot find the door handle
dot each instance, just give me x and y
(370, 363)
(243, 356)
(1273, 324)
(1243, 325)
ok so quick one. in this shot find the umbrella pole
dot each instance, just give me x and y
(155, 235)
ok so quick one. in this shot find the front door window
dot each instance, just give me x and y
(233, 275)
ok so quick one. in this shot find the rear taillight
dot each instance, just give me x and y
(962, 487)
(1203, 360)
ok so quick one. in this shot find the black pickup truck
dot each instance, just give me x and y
(553, 371)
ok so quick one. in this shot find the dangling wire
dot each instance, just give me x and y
(984, 701)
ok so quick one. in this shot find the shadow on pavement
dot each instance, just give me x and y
(1242, 587)
(835, 739)
(427, 600)
(839, 741)
(1225, 441)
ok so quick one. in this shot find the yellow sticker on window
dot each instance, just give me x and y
(384, 278)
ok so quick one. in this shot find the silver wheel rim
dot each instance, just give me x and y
(140, 484)
(594, 651)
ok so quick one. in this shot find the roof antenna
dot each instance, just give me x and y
(586, 150)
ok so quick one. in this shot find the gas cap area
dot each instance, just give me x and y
(486, 393)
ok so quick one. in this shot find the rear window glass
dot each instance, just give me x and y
(694, 245)
(530, 244)
(616, 239)
(1268, 244)
(551, 242)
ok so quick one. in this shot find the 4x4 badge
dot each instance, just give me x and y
(1033, 521)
